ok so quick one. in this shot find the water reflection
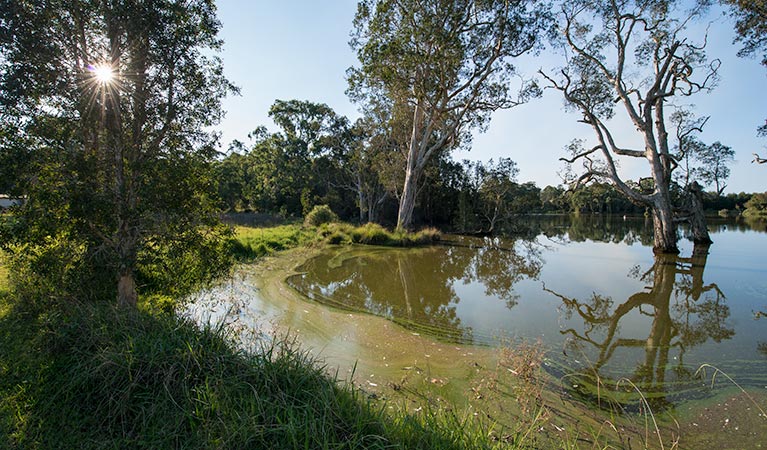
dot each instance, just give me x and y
(417, 287)
(591, 286)
(684, 312)
(599, 228)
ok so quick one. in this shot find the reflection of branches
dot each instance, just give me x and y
(500, 265)
(666, 332)
(423, 294)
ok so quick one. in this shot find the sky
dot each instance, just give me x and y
(298, 49)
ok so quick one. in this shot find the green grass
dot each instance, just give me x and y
(3, 276)
(374, 234)
(250, 243)
(91, 376)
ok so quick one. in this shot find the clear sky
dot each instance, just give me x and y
(298, 49)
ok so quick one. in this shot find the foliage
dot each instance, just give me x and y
(439, 69)
(112, 103)
(756, 207)
(751, 26)
(320, 214)
(3, 274)
(290, 171)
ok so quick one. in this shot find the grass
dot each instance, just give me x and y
(3, 276)
(250, 243)
(91, 376)
(374, 234)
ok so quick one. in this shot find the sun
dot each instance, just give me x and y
(103, 74)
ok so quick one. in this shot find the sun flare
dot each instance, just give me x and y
(103, 74)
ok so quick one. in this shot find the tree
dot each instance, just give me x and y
(751, 27)
(444, 66)
(713, 165)
(553, 199)
(497, 182)
(633, 53)
(114, 100)
(688, 146)
(361, 159)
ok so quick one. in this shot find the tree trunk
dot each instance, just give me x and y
(126, 289)
(362, 203)
(664, 227)
(696, 217)
(407, 201)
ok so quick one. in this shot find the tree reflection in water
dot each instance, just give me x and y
(698, 313)
(416, 287)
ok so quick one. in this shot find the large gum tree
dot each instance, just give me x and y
(114, 100)
(447, 63)
(634, 55)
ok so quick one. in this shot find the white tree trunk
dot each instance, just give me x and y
(407, 201)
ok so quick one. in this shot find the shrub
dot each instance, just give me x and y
(756, 207)
(319, 215)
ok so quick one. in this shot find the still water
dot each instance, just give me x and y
(590, 290)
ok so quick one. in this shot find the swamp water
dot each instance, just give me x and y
(587, 292)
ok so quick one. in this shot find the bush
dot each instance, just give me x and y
(319, 215)
(756, 207)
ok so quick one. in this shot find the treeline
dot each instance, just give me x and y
(321, 158)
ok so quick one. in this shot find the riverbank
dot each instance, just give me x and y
(91, 376)
(412, 373)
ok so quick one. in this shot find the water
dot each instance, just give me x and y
(589, 290)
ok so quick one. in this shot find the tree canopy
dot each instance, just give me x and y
(638, 55)
(442, 67)
(113, 103)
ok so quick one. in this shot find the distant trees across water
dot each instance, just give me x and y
(321, 158)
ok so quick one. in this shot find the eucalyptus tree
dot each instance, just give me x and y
(751, 28)
(714, 167)
(447, 63)
(686, 126)
(115, 101)
(363, 162)
(636, 54)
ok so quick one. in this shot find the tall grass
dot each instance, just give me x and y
(250, 243)
(374, 234)
(90, 376)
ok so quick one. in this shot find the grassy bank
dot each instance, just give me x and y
(252, 243)
(89, 376)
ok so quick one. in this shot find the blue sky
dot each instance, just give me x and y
(296, 49)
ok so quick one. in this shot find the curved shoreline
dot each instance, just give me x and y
(386, 360)
(371, 351)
